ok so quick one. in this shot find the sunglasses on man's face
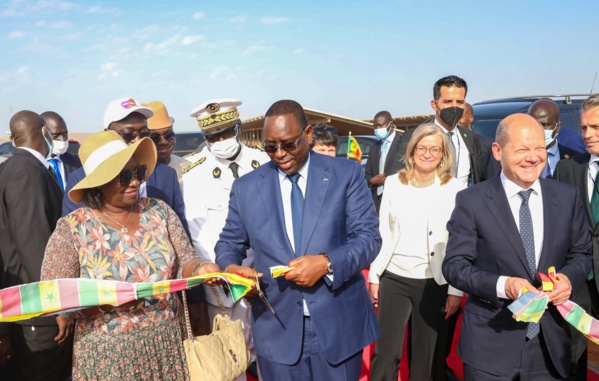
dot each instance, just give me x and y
(124, 178)
(157, 138)
(288, 146)
(130, 136)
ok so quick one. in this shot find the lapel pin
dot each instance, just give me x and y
(325, 179)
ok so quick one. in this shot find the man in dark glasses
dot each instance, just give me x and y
(161, 132)
(207, 184)
(130, 120)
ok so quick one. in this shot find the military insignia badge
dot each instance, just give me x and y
(216, 172)
(193, 165)
(255, 164)
(212, 108)
(566, 156)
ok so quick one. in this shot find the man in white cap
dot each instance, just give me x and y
(207, 184)
(130, 120)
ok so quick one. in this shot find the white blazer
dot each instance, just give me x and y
(395, 202)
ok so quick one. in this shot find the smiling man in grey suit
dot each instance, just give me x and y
(499, 237)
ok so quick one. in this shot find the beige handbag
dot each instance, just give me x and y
(219, 356)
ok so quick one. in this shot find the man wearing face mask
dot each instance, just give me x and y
(470, 162)
(384, 159)
(29, 208)
(61, 162)
(206, 186)
(546, 112)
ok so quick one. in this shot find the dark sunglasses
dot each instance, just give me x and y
(129, 136)
(272, 148)
(124, 178)
(324, 130)
(157, 138)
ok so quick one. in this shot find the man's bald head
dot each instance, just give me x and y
(56, 125)
(26, 130)
(513, 122)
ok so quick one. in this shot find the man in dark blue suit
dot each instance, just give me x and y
(62, 162)
(501, 233)
(129, 120)
(324, 317)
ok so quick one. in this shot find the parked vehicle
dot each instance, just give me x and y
(188, 142)
(488, 114)
(365, 142)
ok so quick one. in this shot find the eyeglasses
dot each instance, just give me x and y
(157, 138)
(124, 178)
(272, 148)
(434, 151)
(130, 136)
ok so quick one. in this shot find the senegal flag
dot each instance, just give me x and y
(353, 149)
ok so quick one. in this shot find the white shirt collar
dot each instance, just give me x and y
(37, 155)
(512, 189)
(593, 158)
(391, 136)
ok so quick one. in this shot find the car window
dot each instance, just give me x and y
(485, 127)
(569, 119)
(6, 149)
(188, 142)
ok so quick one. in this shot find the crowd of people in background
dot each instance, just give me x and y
(446, 222)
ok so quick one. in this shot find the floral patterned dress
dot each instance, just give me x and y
(140, 342)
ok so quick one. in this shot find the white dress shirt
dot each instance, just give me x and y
(462, 153)
(592, 174)
(535, 204)
(37, 155)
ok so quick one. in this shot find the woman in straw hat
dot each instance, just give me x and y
(119, 236)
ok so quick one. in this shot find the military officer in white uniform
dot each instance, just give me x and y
(207, 183)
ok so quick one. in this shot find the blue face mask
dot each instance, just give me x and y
(382, 132)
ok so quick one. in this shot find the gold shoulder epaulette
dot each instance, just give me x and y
(193, 165)
(188, 155)
(260, 148)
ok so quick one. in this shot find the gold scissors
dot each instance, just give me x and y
(262, 296)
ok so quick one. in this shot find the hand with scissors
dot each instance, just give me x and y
(256, 290)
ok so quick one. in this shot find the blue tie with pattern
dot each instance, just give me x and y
(297, 210)
(528, 241)
(54, 164)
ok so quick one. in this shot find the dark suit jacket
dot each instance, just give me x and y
(575, 171)
(479, 159)
(29, 208)
(162, 184)
(339, 220)
(392, 164)
(71, 162)
(484, 243)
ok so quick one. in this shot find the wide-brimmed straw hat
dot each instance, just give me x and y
(104, 155)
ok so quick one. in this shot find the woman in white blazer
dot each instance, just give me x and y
(405, 278)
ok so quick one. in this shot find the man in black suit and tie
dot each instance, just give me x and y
(61, 162)
(384, 159)
(449, 99)
(581, 170)
(29, 208)
(546, 112)
(499, 237)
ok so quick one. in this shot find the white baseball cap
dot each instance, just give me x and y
(121, 108)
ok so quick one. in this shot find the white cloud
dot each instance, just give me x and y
(94, 9)
(274, 20)
(198, 15)
(238, 19)
(60, 25)
(108, 66)
(52, 4)
(162, 45)
(218, 71)
(18, 76)
(299, 51)
(23, 70)
(16, 34)
(40, 23)
(99, 9)
(254, 49)
(188, 40)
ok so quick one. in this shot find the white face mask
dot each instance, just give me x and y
(549, 138)
(224, 149)
(60, 147)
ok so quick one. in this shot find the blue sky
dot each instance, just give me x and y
(351, 58)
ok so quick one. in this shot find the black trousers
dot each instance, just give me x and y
(399, 299)
(37, 357)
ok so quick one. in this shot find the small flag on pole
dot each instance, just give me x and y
(353, 149)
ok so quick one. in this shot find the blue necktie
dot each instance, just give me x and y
(54, 163)
(297, 210)
(528, 241)
(546, 174)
